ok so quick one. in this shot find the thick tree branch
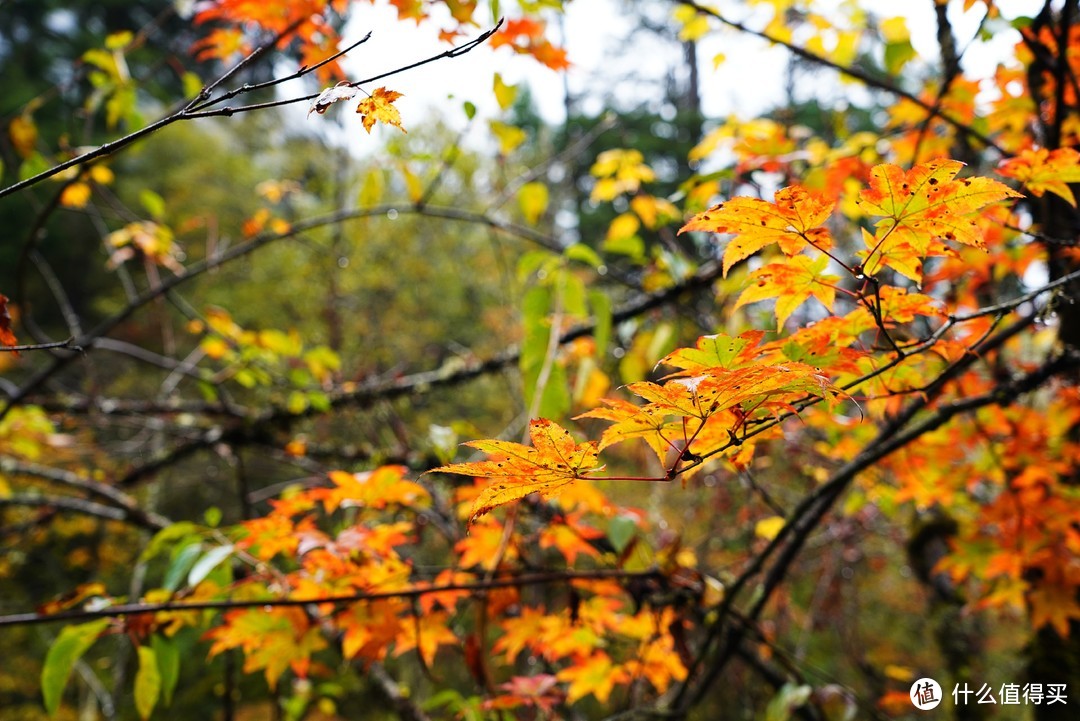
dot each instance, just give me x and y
(81, 505)
(520, 581)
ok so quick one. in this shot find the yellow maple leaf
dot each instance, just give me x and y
(794, 220)
(272, 640)
(596, 675)
(792, 283)
(379, 106)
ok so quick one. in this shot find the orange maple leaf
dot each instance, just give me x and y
(425, 633)
(1045, 171)
(571, 538)
(481, 547)
(553, 462)
(792, 283)
(648, 422)
(221, 44)
(1054, 605)
(526, 36)
(369, 628)
(794, 221)
(379, 488)
(379, 107)
(768, 386)
(927, 202)
(659, 663)
(525, 630)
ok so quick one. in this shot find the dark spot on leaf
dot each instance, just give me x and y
(933, 181)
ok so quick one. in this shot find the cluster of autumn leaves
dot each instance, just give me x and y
(341, 551)
(350, 559)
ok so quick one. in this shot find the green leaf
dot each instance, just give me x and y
(153, 203)
(601, 310)
(33, 165)
(212, 516)
(167, 538)
(554, 392)
(573, 292)
(470, 109)
(898, 54)
(147, 682)
(631, 246)
(583, 254)
(168, 661)
(789, 698)
(319, 401)
(621, 530)
(536, 261)
(192, 83)
(297, 403)
(66, 650)
(182, 563)
(208, 563)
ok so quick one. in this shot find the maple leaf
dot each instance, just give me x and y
(534, 691)
(794, 221)
(520, 632)
(1054, 605)
(379, 107)
(526, 36)
(272, 639)
(7, 337)
(649, 423)
(659, 663)
(1045, 171)
(425, 633)
(570, 538)
(596, 676)
(718, 389)
(221, 44)
(553, 461)
(927, 201)
(379, 488)
(792, 283)
(369, 629)
(481, 546)
(716, 351)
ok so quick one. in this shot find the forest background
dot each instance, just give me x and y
(781, 409)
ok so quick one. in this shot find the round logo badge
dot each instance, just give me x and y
(925, 694)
